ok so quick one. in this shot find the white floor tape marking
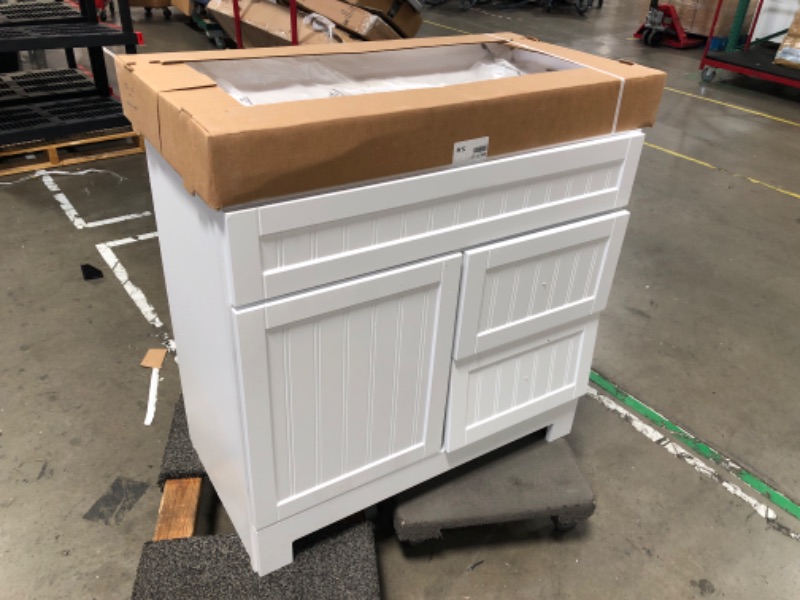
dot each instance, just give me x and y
(136, 294)
(71, 211)
(698, 465)
(132, 239)
(41, 172)
(152, 398)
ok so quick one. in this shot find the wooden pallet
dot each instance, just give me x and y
(32, 157)
(177, 515)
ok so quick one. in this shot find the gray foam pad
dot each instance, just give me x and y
(180, 459)
(530, 479)
(340, 564)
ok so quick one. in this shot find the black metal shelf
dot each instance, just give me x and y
(30, 13)
(54, 103)
(63, 35)
(49, 119)
(45, 84)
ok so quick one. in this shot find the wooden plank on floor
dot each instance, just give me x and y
(178, 511)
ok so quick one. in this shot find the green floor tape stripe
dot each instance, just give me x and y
(691, 442)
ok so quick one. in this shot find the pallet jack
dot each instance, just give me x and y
(662, 26)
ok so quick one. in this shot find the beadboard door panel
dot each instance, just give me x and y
(505, 387)
(355, 376)
(521, 287)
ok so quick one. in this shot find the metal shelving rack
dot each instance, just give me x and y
(53, 103)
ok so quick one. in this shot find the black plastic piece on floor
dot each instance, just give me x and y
(339, 565)
(528, 480)
(180, 459)
(60, 118)
(89, 272)
(29, 86)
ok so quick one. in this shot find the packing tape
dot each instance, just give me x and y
(317, 22)
(575, 62)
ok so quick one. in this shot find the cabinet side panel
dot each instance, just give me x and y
(192, 252)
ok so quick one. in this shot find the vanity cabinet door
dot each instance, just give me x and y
(346, 383)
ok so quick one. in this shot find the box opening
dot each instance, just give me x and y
(272, 80)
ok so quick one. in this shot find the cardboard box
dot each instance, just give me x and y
(150, 3)
(265, 24)
(231, 151)
(398, 13)
(185, 6)
(696, 16)
(356, 20)
(788, 54)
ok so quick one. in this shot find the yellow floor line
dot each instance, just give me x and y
(769, 186)
(758, 113)
(448, 27)
(702, 163)
(683, 156)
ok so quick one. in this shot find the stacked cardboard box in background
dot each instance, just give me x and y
(185, 6)
(696, 16)
(403, 15)
(788, 54)
(267, 23)
(150, 3)
(357, 21)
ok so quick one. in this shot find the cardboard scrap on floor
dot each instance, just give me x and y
(154, 359)
(788, 54)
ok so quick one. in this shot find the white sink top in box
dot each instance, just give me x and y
(264, 124)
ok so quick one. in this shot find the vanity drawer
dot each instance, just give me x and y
(521, 287)
(284, 248)
(501, 389)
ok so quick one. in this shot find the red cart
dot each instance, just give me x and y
(755, 58)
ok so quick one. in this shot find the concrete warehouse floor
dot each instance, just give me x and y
(702, 326)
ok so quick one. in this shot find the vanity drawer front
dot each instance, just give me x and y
(524, 286)
(285, 248)
(502, 388)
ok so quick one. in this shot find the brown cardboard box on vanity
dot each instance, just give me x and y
(228, 152)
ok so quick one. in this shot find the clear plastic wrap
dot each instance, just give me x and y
(288, 79)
